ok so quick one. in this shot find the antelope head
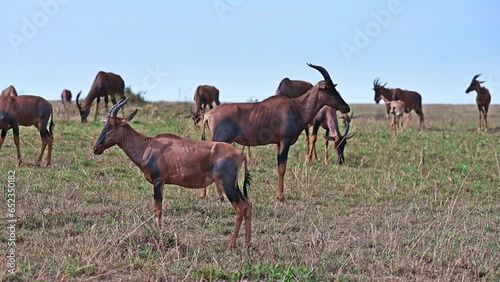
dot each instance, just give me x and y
(196, 116)
(328, 94)
(378, 88)
(475, 84)
(83, 108)
(341, 140)
(114, 128)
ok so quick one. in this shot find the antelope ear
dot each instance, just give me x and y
(131, 116)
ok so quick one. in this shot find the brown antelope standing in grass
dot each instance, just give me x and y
(397, 108)
(105, 84)
(66, 96)
(411, 99)
(170, 159)
(27, 110)
(296, 88)
(9, 91)
(276, 120)
(483, 100)
(204, 95)
(327, 118)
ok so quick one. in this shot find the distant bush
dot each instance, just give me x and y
(135, 97)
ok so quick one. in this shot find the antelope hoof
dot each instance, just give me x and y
(19, 162)
(281, 198)
(47, 164)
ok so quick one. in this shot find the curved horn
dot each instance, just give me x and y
(376, 81)
(114, 110)
(336, 124)
(323, 72)
(476, 76)
(77, 97)
(347, 127)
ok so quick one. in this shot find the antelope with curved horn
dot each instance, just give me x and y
(411, 99)
(276, 120)
(105, 84)
(27, 110)
(327, 118)
(483, 100)
(9, 91)
(169, 159)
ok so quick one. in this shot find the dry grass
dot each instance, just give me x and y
(414, 206)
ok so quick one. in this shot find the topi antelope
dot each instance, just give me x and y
(66, 96)
(397, 109)
(205, 95)
(105, 83)
(27, 110)
(327, 118)
(411, 99)
(170, 159)
(276, 120)
(9, 91)
(483, 100)
(297, 88)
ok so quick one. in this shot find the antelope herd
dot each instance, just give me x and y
(170, 159)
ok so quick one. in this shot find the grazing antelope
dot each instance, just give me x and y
(170, 159)
(205, 95)
(293, 88)
(483, 100)
(411, 99)
(105, 83)
(66, 96)
(327, 118)
(397, 109)
(276, 120)
(27, 110)
(9, 91)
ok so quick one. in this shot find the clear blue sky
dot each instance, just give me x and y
(246, 47)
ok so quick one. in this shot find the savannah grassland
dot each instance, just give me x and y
(420, 206)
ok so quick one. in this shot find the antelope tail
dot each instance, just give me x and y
(248, 178)
(51, 124)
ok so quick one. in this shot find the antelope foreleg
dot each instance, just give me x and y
(485, 117)
(157, 203)
(326, 152)
(2, 137)
(308, 158)
(16, 141)
(282, 160)
(97, 110)
(312, 150)
(480, 126)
